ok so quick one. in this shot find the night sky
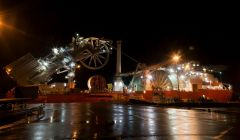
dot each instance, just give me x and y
(148, 36)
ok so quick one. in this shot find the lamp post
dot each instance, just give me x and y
(176, 58)
(220, 74)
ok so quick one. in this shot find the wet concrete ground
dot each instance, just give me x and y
(118, 121)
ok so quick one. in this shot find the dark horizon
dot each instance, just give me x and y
(37, 27)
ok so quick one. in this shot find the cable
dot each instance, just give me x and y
(128, 56)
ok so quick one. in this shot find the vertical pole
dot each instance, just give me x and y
(118, 83)
(118, 66)
(178, 80)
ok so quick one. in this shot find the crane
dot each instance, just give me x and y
(92, 53)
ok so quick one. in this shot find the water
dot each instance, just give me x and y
(118, 121)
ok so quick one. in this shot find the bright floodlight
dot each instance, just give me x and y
(120, 84)
(55, 51)
(149, 77)
(72, 64)
(176, 58)
(171, 70)
(62, 50)
(187, 67)
(182, 77)
(43, 67)
(45, 63)
(71, 74)
(1, 22)
(65, 60)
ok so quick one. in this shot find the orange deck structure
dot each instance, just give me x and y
(215, 95)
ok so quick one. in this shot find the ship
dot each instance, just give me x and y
(185, 82)
(163, 82)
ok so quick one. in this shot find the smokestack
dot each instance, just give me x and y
(118, 83)
(118, 66)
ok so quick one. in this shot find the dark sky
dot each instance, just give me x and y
(150, 36)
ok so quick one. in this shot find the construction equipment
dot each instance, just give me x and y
(92, 53)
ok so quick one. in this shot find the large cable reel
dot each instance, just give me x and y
(92, 53)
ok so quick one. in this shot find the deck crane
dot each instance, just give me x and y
(92, 53)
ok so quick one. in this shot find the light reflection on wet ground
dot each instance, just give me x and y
(117, 121)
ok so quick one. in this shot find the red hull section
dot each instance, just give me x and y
(56, 98)
(215, 95)
(221, 96)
